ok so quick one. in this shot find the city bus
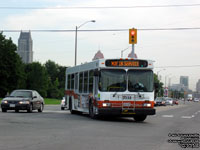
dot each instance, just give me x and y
(111, 87)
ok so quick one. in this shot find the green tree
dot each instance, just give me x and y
(11, 67)
(159, 87)
(37, 78)
(56, 83)
(52, 69)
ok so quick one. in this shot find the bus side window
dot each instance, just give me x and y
(86, 82)
(91, 74)
(80, 82)
(68, 81)
(76, 81)
(72, 81)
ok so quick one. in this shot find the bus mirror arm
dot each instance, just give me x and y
(156, 85)
(96, 73)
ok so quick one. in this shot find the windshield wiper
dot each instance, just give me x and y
(114, 94)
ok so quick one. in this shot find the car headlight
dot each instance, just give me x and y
(4, 102)
(24, 102)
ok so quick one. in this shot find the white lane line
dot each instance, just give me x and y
(168, 116)
(187, 117)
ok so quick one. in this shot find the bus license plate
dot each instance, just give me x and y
(12, 105)
(127, 97)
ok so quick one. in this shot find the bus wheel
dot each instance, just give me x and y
(139, 118)
(70, 107)
(91, 110)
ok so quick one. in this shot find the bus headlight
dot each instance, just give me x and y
(106, 104)
(147, 104)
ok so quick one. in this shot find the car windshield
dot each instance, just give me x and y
(26, 94)
(168, 99)
(140, 80)
(112, 80)
(159, 99)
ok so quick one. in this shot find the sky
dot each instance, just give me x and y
(167, 48)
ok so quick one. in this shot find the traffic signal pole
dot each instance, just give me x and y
(133, 51)
(133, 40)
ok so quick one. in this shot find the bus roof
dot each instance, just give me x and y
(112, 63)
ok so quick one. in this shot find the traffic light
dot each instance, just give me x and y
(132, 36)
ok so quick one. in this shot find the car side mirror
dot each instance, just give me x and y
(7, 94)
(34, 97)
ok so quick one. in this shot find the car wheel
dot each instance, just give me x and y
(4, 110)
(62, 108)
(30, 110)
(41, 108)
(16, 110)
(139, 118)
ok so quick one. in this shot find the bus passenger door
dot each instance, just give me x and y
(95, 87)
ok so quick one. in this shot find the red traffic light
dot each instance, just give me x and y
(132, 32)
(132, 36)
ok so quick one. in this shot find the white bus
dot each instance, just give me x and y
(119, 87)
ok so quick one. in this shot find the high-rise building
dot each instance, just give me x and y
(184, 80)
(25, 46)
(198, 86)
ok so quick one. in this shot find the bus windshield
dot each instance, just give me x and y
(140, 80)
(115, 80)
(112, 80)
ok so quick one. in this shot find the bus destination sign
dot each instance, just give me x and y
(126, 63)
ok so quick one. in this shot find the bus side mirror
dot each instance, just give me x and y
(96, 73)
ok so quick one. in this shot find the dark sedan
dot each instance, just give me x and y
(160, 101)
(23, 100)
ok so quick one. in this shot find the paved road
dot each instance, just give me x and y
(55, 130)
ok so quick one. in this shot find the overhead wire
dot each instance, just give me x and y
(101, 7)
(103, 30)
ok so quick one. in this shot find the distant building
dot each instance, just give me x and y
(98, 55)
(25, 46)
(198, 86)
(178, 87)
(184, 80)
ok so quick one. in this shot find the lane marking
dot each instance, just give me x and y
(187, 117)
(168, 116)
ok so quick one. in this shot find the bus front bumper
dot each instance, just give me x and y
(126, 112)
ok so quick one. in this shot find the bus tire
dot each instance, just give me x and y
(139, 118)
(91, 111)
(70, 106)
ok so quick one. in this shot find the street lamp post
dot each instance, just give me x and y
(123, 51)
(160, 71)
(77, 27)
(166, 79)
